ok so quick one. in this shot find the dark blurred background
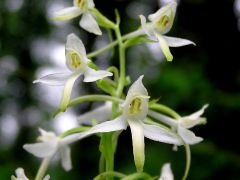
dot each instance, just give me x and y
(32, 45)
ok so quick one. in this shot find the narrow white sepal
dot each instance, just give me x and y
(43, 149)
(165, 119)
(100, 114)
(188, 136)
(164, 47)
(91, 75)
(73, 42)
(67, 13)
(160, 134)
(177, 42)
(88, 23)
(138, 143)
(193, 119)
(144, 25)
(166, 172)
(138, 88)
(57, 79)
(47, 177)
(67, 91)
(109, 126)
(66, 161)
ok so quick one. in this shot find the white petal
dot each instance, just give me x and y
(177, 42)
(164, 10)
(100, 114)
(164, 47)
(188, 136)
(160, 134)
(193, 119)
(47, 177)
(138, 143)
(91, 4)
(73, 42)
(109, 126)
(42, 150)
(166, 172)
(89, 24)
(91, 75)
(165, 119)
(144, 25)
(67, 91)
(67, 13)
(20, 174)
(58, 79)
(138, 88)
(66, 158)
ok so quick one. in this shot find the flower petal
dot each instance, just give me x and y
(67, 91)
(91, 75)
(58, 79)
(193, 119)
(109, 126)
(89, 24)
(42, 150)
(138, 87)
(160, 134)
(165, 119)
(164, 47)
(177, 42)
(164, 10)
(138, 143)
(166, 172)
(144, 25)
(73, 42)
(100, 114)
(67, 13)
(188, 136)
(66, 158)
(20, 174)
(47, 177)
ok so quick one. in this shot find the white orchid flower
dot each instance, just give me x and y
(135, 109)
(80, 7)
(182, 124)
(166, 172)
(20, 175)
(100, 114)
(77, 63)
(47, 147)
(161, 23)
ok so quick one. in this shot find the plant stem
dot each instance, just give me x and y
(42, 169)
(188, 161)
(164, 109)
(114, 43)
(109, 173)
(94, 97)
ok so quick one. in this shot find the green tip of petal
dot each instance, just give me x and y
(169, 58)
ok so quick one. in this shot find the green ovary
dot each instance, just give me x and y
(134, 106)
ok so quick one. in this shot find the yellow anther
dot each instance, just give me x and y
(164, 21)
(81, 4)
(134, 106)
(75, 60)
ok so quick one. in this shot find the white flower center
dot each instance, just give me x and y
(163, 21)
(75, 61)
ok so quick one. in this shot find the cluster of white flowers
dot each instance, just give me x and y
(133, 111)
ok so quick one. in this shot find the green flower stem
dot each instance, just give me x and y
(109, 173)
(188, 161)
(43, 168)
(114, 43)
(101, 164)
(94, 97)
(164, 109)
(138, 176)
(74, 130)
